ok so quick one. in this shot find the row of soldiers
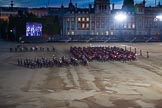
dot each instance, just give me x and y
(49, 62)
(106, 53)
(31, 49)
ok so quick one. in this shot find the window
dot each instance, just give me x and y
(83, 25)
(68, 25)
(129, 26)
(72, 19)
(87, 19)
(155, 24)
(79, 25)
(83, 19)
(93, 26)
(68, 33)
(79, 19)
(72, 32)
(107, 33)
(92, 19)
(68, 19)
(102, 33)
(87, 25)
(72, 25)
(125, 25)
(102, 25)
(112, 33)
(97, 19)
(133, 26)
(97, 25)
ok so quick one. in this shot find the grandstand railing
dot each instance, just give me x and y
(102, 38)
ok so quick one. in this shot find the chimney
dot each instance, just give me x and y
(159, 4)
(144, 2)
(11, 4)
(90, 7)
(113, 6)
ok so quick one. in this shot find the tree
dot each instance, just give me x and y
(17, 25)
(3, 28)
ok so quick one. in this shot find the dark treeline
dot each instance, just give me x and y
(3, 28)
(16, 26)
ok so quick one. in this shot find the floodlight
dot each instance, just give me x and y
(159, 17)
(120, 17)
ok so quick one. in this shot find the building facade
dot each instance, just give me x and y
(39, 12)
(6, 12)
(99, 19)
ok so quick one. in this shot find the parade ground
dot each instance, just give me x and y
(112, 84)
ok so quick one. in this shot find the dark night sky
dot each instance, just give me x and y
(57, 3)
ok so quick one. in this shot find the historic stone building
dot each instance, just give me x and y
(99, 19)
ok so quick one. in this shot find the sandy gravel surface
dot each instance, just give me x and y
(135, 84)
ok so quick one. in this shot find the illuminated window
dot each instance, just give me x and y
(79, 19)
(129, 26)
(87, 25)
(68, 33)
(83, 19)
(107, 33)
(112, 33)
(72, 32)
(125, 25)
(83, 25)
(133, 25)
(87, 19)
